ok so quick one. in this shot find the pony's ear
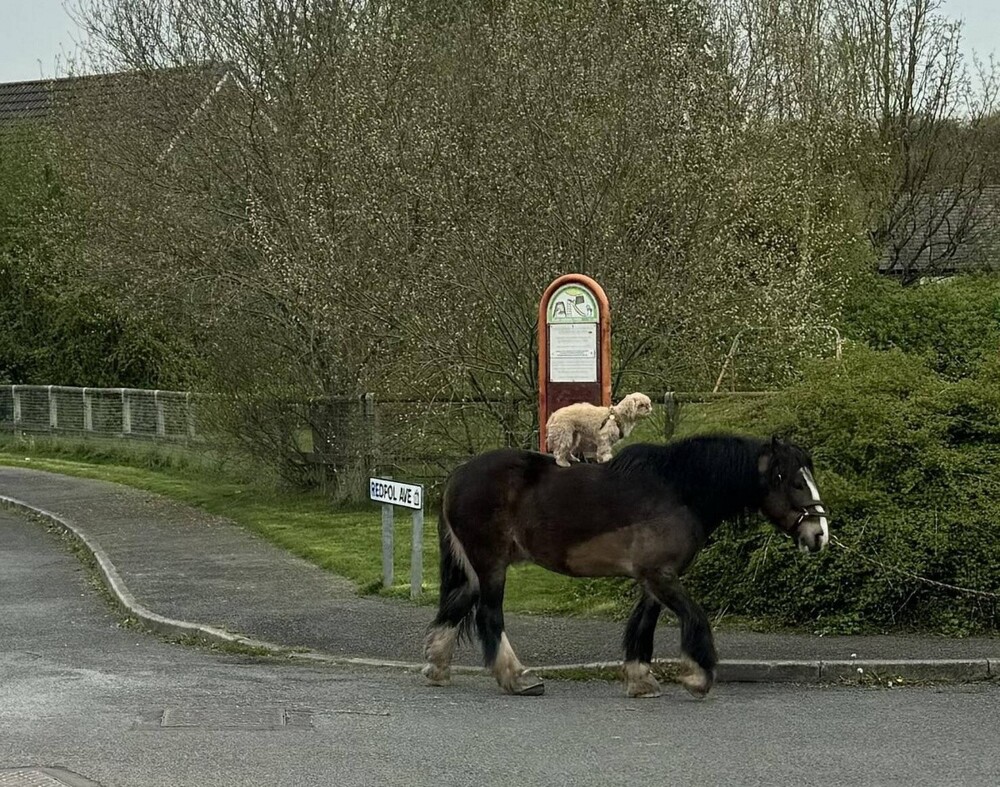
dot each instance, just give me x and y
(767, 452)
(765, 457)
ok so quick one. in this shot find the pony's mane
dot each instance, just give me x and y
(716, 474)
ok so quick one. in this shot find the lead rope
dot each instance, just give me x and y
(911, 575)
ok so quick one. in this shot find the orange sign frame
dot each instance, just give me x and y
(553, 394)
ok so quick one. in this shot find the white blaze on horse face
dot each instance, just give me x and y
(814, 491)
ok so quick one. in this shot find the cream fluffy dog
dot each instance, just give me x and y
(584, 429)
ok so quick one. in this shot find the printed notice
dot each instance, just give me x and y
(573, 353)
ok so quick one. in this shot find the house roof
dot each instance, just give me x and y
(159, 108)
(20, 100)
(946, 232)
(39, 99)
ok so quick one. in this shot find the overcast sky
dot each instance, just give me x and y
(36, 36)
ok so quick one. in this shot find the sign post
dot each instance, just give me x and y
(574, 347)
(393, 493)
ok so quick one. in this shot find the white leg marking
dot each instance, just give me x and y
(507, 666)
(439, 649)
(511, 674)
(814, 491)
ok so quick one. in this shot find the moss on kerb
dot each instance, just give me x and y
(230, 648)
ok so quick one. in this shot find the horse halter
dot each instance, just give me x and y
(806, 513)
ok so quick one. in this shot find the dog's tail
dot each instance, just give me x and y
(560, 435)
(551, 425)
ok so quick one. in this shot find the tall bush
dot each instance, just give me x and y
(59, 325)
(906, 461)
(954, 323)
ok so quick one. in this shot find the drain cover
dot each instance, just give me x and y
(222, 718)
(42, 777)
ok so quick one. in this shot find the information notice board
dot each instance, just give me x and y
(574, 341)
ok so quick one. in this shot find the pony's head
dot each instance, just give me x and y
(790, 496)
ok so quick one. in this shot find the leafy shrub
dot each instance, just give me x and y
(953, 323)
(57, 326)
(907, 462)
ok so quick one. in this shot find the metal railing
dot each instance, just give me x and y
(105, 412)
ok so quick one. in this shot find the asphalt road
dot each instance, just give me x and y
(120, 707)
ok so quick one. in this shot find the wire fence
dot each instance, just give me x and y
(104, 412)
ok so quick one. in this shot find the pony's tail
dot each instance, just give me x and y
(459, 581)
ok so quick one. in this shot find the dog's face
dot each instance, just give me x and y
(635, 406)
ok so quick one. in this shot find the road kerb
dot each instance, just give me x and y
(787, 671)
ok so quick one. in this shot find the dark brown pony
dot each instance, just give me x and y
(645, 514)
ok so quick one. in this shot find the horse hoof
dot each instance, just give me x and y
(435, 675)
(645, 690)
(639, 682)
(528, 685)
(534, 690)
(698, 682)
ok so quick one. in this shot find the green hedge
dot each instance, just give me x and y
(953, 323)
(909, 464)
